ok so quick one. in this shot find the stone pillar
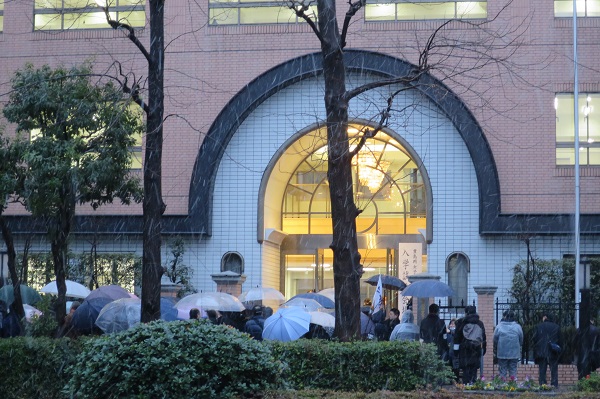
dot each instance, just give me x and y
(169, 288)
(421, 305)
(485, 310)
(229, 282)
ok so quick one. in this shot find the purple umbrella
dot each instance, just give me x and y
(112, 292)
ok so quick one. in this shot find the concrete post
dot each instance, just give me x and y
(229, 282)
(485, 310)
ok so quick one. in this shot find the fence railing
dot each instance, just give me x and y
(530, 315)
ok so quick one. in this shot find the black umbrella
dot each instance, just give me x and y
(388, 282)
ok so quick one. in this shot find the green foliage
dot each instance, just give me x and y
(81, 135)
(184, 359)
(177, 271)
(591, 383)
(11, 170)
(44, 325)
(35, 367)
(360, 366)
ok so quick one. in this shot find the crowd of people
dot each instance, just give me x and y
(463, 342)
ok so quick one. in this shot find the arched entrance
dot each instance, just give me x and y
(391, 189)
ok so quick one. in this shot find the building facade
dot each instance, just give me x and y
(473, 159)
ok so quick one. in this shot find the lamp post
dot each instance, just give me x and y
(576, 166)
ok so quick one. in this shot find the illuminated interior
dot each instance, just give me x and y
(388, 188)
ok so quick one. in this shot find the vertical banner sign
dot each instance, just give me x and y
(378, 296)
(410, 261)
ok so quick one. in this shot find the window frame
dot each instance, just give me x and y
(91, 7)
(588, 141)
(397, 3)
(239, 5)
(580, 13)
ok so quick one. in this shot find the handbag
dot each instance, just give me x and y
(554, 347)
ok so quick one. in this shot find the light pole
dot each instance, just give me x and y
(576, 166)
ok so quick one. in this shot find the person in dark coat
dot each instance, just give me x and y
(9, 322)
(469, 356)
(255, 325)
(545, 332)
(214, 316)
(433, 330)
(381, 331)
(392, 321)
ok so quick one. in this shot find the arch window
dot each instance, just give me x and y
(388, 187)
(232, 262)
(458, 267)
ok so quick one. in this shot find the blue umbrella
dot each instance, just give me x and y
(287, 324)
(112, 292)
(168, 311)
(322, 299)
(85, 316)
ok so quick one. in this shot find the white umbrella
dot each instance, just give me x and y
(328, 292)
(308, 305)
(322, 319)
(30, 311)
(74, 289)
(262, 294)
(287, 324)
(211, 300)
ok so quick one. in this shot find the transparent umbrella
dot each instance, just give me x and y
(308, 305)
(262, 294)
(428, 289)
(211, 300)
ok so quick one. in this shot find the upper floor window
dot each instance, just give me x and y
(401, 10)
(249, 12)
(86, 14)
(1, 15)
(585, 8)
(589, 129)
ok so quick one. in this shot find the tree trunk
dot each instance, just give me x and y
(12, 268)
(347, 269)
(153, 205)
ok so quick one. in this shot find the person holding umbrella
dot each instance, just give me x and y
(255, 325)
(433, 330)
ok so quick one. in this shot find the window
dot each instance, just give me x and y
(458, 267)
(424, 9)
(585, 8)
(589, 129)
(1, 15)
(86, 14)
(249, 12)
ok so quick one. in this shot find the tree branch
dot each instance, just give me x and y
(130, 32)
(411, 78)
(352, 10)
(300, 7)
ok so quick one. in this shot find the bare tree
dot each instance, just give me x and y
(453, 60)
(153, 205)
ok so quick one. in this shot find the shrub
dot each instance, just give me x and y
(35, 367)
(591, 383)
(185, 359)
(44, 325)
(360, 366)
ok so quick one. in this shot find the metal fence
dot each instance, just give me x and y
(530, 315)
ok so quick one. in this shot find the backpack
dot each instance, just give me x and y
(473, 335)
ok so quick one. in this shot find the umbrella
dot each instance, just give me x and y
(85, 316)
(428, 289)
(287, 324)
(322, 319)
(388, 282)
(262, 294)
(28, 295)
(168, 311)
(112, 292)
(74, 289)
(211, 300)
(322, 299)
(119, 315)
(30, 311)
(308, 305)
(328, 292)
